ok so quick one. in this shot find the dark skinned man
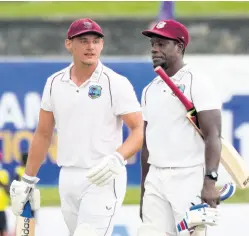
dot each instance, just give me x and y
(176, 164)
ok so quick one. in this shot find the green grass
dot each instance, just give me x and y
(50, 196)
(212, 8)
(110, 9)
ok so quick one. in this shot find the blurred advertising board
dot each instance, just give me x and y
(23, 79)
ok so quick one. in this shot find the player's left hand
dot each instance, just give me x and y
(210, 194)
(107, 170)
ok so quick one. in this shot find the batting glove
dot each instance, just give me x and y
(35, 199)
(107, 170)
(199, 215)
(23, 191)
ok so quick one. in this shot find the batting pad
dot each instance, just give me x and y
(85, 229)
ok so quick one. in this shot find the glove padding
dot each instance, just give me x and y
(200, 215)
(35, 199)
(203, 216)
(107, 170)
(21, 192)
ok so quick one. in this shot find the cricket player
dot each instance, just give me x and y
(18, 174)
(4, 198)
(88, 103)
(176, 164)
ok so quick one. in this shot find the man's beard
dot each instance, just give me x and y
(164, 65)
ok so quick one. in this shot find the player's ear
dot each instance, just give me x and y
(68, 45)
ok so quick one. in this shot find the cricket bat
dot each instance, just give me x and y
(234, 164)
(25, 225)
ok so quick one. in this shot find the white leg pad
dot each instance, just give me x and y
(85, 229)
(149, 230)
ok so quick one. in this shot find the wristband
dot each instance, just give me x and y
(30, 179)
(120, 158)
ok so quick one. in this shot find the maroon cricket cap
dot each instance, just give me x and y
(169, 29)
(82, 26)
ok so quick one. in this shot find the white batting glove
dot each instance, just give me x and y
(200, 215)
(35, 199)
(203, 216)
(21, 192)
(107, 170)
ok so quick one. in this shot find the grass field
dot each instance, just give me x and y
(50, 196)
(109, 9)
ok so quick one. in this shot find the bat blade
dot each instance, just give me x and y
(231, 160)
(234, 164)
(25, 225)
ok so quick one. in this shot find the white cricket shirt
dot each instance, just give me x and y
(171, 139)
(87, 118)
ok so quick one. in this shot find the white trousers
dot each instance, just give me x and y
(83, 202)
(168, 194)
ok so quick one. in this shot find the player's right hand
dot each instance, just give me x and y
(20, 193)
(210, 194)
(107, 170)
(201, 215)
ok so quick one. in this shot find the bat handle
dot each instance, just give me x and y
(188, 105)
(195, 207)
(27, 211)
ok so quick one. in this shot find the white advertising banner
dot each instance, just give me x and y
(234, 221)
(20, 99)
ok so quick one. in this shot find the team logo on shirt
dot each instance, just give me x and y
(94, 91)
(181, 87)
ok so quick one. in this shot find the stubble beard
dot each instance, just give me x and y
(164, 65)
